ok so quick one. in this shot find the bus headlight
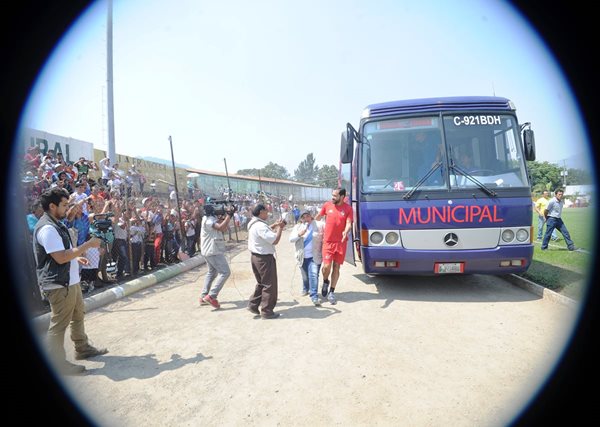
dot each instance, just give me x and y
(508, 236)
(522, 235)
(376, 237)
(391, 238)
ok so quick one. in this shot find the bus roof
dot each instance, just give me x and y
(426, 105)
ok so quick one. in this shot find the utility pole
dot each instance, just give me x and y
(181, 227)
(229, 200)
(109, 88)
(564, 173)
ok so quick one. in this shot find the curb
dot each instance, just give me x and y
(541, 291)
(135, 285)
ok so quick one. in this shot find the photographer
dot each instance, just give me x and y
(262, 239)
(212, 246)
(57, 267)
(83, 166)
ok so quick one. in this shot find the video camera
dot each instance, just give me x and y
(220, 208)
(101, 227)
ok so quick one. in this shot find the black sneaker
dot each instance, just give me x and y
(253, 310)
(270, 316)
(325, 288)
(90, 351)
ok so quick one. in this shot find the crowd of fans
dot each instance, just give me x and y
(145, 228)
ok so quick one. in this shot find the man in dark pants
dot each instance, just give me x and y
(262, 239)
(553, 215)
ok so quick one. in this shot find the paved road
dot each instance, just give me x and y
(419, 351)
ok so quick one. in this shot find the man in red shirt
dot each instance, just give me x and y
(338, 222)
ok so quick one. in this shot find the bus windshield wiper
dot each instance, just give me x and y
(435, 167)
(470, 177)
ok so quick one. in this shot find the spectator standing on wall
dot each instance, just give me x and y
(84, 166)
(172, 197)
(106, 170)
(142, 181)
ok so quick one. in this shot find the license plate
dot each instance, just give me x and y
(449, 267)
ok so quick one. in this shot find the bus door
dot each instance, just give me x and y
(345, 181)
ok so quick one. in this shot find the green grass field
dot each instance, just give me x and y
(560, 270)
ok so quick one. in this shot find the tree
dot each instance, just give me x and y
(248, 172)
(273, 170)
(544, 176)
(547, 176)
(579, 177)
(307, 170)
(327, 176)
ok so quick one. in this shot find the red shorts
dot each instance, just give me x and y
(334, 251)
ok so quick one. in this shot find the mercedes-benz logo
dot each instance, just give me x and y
(450, 239)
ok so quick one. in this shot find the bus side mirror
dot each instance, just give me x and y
(347, 144)
(529, 144)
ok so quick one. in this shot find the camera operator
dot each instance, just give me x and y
(57, 267)
(212, 246)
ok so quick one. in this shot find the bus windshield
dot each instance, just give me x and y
(457, 151)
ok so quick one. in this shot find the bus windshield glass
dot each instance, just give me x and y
(448, 152)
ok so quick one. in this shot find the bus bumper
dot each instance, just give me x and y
(391, 261)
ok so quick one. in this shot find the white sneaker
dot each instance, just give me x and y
(316, 301)
(331, 298)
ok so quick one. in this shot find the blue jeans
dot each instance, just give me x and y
(558, 224)
(218, 271)
(310, 277)
(119, 252)
(540, 233)
(191, 245)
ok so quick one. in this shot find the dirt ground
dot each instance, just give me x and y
(419, 351)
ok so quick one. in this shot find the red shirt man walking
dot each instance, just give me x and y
(338, 222)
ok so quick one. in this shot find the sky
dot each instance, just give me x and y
(272, 81)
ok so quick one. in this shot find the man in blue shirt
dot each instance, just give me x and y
(296, 212)
(36, 212)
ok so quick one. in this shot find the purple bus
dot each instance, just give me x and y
(440, 186)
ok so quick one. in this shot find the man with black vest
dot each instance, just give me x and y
(57, 267)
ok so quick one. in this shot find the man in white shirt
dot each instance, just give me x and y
(262, 239)
(57, 267)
